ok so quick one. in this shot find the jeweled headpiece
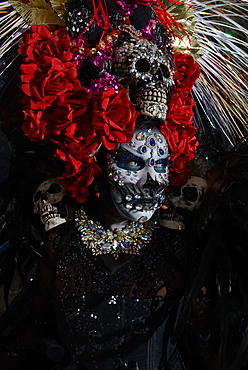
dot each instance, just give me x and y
(89, 83)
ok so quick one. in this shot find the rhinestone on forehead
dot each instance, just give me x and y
(152, 141)
(142, 135)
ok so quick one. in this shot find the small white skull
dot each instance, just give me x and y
(140, 62)
(50, 201)
(180, 199)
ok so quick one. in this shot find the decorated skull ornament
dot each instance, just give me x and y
(51, 202)
(181, 200)
(138, 174)
(141, 63)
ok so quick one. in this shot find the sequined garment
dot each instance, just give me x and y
(120, 318)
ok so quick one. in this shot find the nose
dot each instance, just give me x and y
(147, 181)
(150, 182)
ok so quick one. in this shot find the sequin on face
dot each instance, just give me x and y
(143, 176)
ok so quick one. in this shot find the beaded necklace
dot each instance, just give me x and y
(129, 240)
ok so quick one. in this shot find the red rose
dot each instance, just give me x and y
(34, 127)
(40, 45)
(75, 145)
(43, 87)
(78, 181)
(40, 125)
(79, 102)
(187, 72)
(180, 135)
(114, 116)
(180, 111)
(57, 118)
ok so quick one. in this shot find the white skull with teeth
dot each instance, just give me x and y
(180, 199)
(50, 202)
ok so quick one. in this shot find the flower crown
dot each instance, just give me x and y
(77, 94)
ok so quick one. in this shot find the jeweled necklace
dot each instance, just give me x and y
(129, 240)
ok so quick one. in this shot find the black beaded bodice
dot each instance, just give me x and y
(116, 314)
(155, 273)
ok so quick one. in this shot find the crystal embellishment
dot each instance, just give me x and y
(129, 240)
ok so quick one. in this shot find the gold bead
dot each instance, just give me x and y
(102, 44)
(109, 38)
(81, 50)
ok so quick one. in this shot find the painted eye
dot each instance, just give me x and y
(161, 165)
(133, 164)
(129, 161)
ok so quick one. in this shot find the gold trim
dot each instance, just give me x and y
(184, 15)
(38, 12)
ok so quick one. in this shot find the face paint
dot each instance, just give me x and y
(138, 174)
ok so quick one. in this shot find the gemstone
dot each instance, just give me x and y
(143, 149)
(129, 206)
(141, 135)
(129, 197)
(159, 138)
(161, 151)
(152, 142)
(152, 162)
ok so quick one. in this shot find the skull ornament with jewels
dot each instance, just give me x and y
(141, 65)
(181, 200)
(138, 174)
(51, 202)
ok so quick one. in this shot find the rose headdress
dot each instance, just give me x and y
(77, 94)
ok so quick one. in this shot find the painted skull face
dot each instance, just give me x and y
(138, 174)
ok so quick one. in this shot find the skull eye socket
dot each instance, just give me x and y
(165, 71)
(54, 188)
(37, 196)
(190, 194)
(176, 191)
(142, 65)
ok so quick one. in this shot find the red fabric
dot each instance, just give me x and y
(114, 117)
(187, 72)
(178, 128)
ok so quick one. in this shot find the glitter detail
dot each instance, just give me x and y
(126, 8)
(159, 138)
(149, 31)
(141, 135)
(105, 82)
(100, 241)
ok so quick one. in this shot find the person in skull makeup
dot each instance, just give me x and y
(114, 280)
(112, 301)
(138, 173)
